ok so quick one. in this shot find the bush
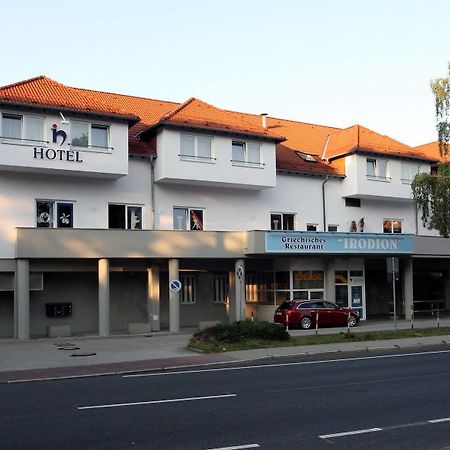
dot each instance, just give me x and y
(242, 331)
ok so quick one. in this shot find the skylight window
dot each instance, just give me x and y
(306, 157)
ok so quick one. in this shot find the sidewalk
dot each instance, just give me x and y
(40, 359)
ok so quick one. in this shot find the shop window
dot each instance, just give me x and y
(195, 147)
(311, 227)
(188, 219)
(125, 217)
(85, 134)
(282, 221)
(54, 214)
(220, 289)
(188, 289)
(260, 288)
(392, 226)
(246, 153)
(23, 128)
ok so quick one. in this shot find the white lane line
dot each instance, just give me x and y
(154, 402)
(302, 363)
(235, 447)
(445, 419)
(350, 433)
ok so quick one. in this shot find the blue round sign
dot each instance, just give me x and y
(175, 285)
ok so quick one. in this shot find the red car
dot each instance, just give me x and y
(302, 313)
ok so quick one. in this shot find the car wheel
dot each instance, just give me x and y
(306, 323)
(352, 320)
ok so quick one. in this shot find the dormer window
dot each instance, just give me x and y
(246, 153)
(195, 148)
(22, 128)
(89, 135)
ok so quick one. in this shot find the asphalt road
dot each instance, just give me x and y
(385, 401)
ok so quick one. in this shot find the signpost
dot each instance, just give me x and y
(392, 269)
(175, 285)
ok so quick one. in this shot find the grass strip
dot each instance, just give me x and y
(215, 346)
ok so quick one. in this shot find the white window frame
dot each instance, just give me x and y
(409, 171)
(245, 162)
(54, 218)
(90, 146)
(315, 225)
(188, 293)
(375, 168)
(126, 207)
(24, 138)
(220, 285)
(196, 157)
(282, 221)
(188, 211)
(392, 225)
(334, 226)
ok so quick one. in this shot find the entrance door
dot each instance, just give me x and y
(357, 299)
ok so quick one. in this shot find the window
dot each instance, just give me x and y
(187, 219)
(26, 128)
(409, 171)
(311, 227)
(125, 217)
(195, 147)
(377, 168)
(392, 226)
(332, 227)
(54, 214)
(247, 153)
(281, 221)
(88, 135)
(188, 289)
(353, 202)
(220, 289)
(308, 285)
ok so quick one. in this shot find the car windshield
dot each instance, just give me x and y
(286, 305)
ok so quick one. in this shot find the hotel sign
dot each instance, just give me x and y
(350, 243)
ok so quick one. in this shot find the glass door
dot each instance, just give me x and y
(357, 299)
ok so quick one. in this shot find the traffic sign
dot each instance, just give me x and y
(175, 285)
(239, 273)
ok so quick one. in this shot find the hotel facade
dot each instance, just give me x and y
(123, 214)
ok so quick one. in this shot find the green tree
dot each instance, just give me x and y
(431, 192)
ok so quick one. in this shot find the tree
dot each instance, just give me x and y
(431, 192)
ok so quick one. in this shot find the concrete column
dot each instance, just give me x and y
(103, 298)
(232, 297)
(174, 297)
(330, 289)
(153, 298)
(408, 293)
(22, 300)
(239, 270)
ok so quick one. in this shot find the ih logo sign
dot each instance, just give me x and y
(58, 133)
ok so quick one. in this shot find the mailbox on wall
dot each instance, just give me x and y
(58, 309)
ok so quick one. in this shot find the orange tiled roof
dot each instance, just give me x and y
(359, 138)
(44, 91)
(432, 151)
(196, 113)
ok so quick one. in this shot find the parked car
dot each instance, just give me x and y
(302, 313)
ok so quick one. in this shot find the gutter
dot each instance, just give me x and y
(324, 212)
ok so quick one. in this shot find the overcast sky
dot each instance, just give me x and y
(331, 62)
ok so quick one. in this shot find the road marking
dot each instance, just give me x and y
(445, 419)
(350, 433)
(302, 363)
(154, 402)
(235, 447)
(393, 427)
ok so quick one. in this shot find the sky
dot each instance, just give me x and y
(329, 62)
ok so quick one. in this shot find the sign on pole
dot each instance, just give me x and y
(175, 285)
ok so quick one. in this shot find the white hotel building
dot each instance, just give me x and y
(108, 200)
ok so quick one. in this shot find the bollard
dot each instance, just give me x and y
(317, 321)
(437, 317)
(348, 323)
(412, 317)
(287, 321)
(252, 318)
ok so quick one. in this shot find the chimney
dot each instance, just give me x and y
(264, 120)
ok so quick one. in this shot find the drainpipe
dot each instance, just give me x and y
(152, 189)
(324, 212)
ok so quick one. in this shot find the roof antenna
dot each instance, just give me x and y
(63, 121)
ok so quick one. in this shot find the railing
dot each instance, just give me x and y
(428, 306)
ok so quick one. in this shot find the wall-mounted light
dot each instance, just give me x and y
(63, 121)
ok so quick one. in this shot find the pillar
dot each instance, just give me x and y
(239, 271)
(330, 281)
(408, 294)
(174, 297)
(232, 297)
(22, 300)
(153, 298)
(103, 298)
